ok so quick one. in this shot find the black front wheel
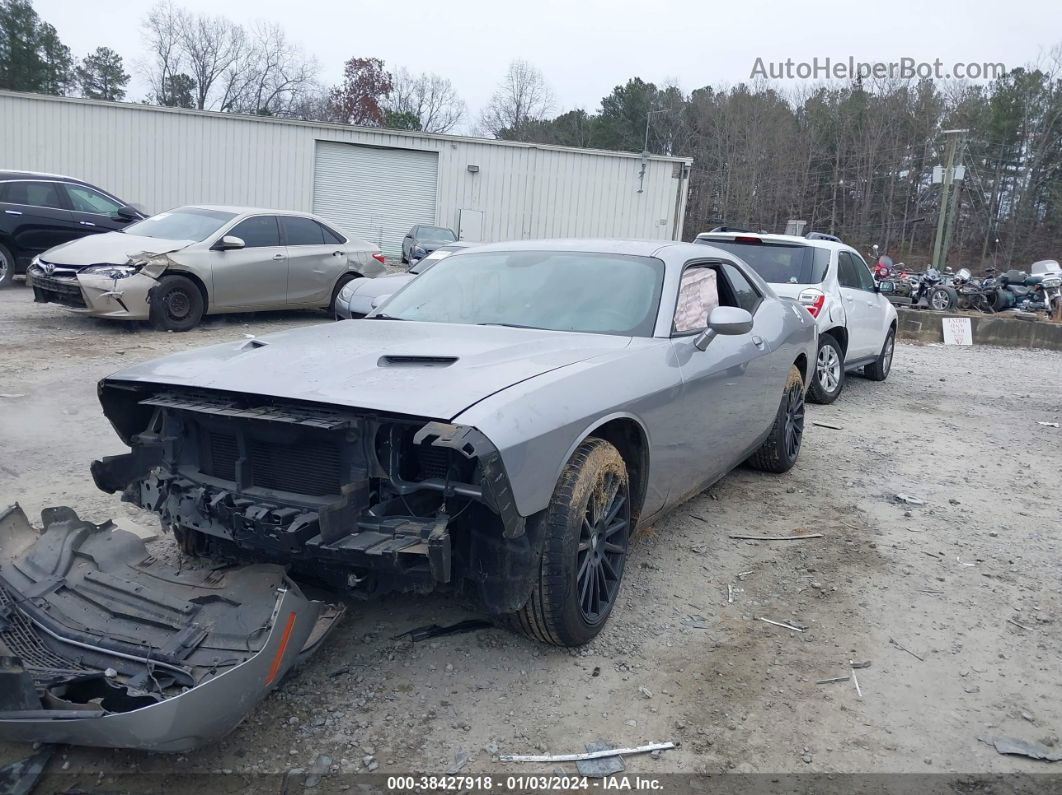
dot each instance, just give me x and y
(878, 370)
(780, 450)
(176, 304)
(587, 526)
(7, 268)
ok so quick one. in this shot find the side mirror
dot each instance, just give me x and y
(725, 320)
(379, 300)
(125, 214)
(229, 242)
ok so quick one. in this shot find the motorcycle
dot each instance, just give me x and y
(1040, 291)
(938, 294)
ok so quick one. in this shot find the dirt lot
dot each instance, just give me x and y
(969, 582)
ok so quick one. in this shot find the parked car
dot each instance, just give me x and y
(359, 297)
(856, 323)
(39, 211)
(499, 426)
(423, 239)
(177, 266)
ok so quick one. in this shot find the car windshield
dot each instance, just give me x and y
(777, 263)
(555, 290)
(186, 223)
(435, 234)
(426, 262)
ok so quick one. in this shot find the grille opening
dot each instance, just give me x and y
(313, 468)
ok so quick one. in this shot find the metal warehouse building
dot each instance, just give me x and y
(371, 183)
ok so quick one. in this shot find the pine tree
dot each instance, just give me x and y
(101, 75)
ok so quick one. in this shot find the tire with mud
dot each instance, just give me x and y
(176, 304)
(782, 448)
(587, 528)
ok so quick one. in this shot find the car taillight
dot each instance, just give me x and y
(379, 257)
(812, 300)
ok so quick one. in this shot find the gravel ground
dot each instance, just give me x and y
(968, 582)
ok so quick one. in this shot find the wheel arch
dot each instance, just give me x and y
(839, 333)
(195, 279)
(627, 434)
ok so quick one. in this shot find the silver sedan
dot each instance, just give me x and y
(180, 265)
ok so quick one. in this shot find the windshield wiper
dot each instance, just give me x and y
(384, 316)
(508, 325)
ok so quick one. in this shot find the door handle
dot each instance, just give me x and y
(337, 253)
(86, 223)
(278, 256)
(12, 212)
(757, 341)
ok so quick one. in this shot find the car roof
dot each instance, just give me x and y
(817, 242)
(238, 210)
(10, 175)
(637, 248)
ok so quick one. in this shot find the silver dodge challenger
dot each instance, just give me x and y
(501, 426)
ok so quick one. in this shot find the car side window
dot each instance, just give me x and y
(698, 296)
(32, 194)
(846, 272)
(258, 232)
(745, 295)
(863, 275)
(331, 235)
(299, 231)
(87, 200)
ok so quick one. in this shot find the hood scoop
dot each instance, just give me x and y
(416, 361)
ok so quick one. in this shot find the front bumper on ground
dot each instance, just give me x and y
(102, 644)
(95, 295)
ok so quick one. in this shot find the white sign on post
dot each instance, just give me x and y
(957, 331)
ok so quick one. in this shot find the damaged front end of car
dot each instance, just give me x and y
(103, 644)
(354, 499)
(115, 291)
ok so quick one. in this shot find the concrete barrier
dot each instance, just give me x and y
(921, 325)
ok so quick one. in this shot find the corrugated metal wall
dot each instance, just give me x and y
(162, 157)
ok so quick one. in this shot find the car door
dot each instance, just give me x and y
(35, 216)
(724, 398)
(877, 306)
(856, 307)
(93, 210)
(315, 262)
(255, 275)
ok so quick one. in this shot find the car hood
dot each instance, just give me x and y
(434, 370)
(381, 285)
(110, 248)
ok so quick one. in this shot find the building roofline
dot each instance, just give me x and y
(443, 137)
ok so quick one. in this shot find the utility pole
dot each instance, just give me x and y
(953, 212)
(949, 174)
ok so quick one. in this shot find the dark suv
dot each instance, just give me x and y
(38, 211)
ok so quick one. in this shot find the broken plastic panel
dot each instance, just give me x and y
(102, 644)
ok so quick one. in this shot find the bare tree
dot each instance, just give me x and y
(166, 60)
(431, 98)
(270, 76)
(521, 97)
(211, 46)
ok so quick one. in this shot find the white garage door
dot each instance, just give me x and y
(375, 194)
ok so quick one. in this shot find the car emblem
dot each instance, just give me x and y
(48, 267)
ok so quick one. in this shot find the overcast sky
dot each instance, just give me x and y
(586, 47)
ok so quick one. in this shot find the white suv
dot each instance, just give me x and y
(857, 325)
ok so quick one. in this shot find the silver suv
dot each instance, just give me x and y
(856, 324)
